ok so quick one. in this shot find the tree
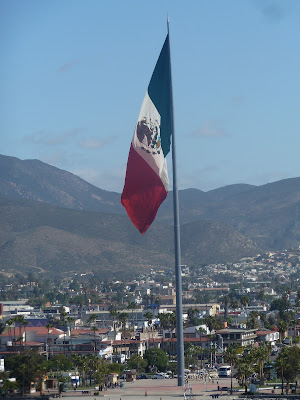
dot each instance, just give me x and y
(209, 322)
(123, 318)
(157, 358)
(2, 327)
(25, 368)
(244, 370)
(80, 363)
(230, 356)
(213, 323)
(189, 352)
(287, 364)
(168, 322)
(253, 320)
(261, 295)
(244, 301)
(149, 316)
(137, 362)
(226, 301)
(20, 320)
(91, 319)
(261, 355)
(9, 323)
(297, 300)
(63, 315)
(114, 313)
(282, 327)
(132, 306)
(201, 331)
(60, 362)
(96, 368)
(192, 317)
(234, 304)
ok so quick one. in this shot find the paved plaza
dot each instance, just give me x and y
(161, 389)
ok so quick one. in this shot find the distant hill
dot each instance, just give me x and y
(35, 180)
(268, 214)
(35, 236)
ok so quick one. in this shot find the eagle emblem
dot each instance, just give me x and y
(147, 133)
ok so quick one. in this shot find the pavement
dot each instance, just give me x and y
(160, 389)
(163, 389)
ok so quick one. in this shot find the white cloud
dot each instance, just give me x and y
(51, 139)
(267, 177)
(112, 180)
(65, 67)
(272, 10)
(208, 130)
(55, 158)
(96, 143)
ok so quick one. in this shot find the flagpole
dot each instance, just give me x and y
(179, 321)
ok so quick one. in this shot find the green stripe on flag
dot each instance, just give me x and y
(159, 91)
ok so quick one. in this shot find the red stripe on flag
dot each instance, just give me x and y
(143, 191)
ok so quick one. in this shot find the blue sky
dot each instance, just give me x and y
(74, 74)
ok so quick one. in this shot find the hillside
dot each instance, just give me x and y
(37, 236)
(35, 180)
(268, 214)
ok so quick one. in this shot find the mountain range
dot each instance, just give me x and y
(52, 220)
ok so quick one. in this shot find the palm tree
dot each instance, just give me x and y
(261, 355)
(18, 319)
(200, 332)
(230, 356)
(92, 318)
(226, 301)
(2, 327)
(95, 329)
(63, 315)
(123, 318)
(234, 304)
(9, 323)
(76, 360)
(208, 320)
(253, 320)
(244, 301)
(82, 366)
(48, 326)
(114, 313)
(294, 323)
(25, 323)
(70, 320)
(91, 366)
(280, 363)
(146, 299)
(245, 370)
(189, 352)
(192, 317)
(132, 306)
(149, 317)
(282, 327)
(14, 326)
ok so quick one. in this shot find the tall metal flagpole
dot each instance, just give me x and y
(179, 322)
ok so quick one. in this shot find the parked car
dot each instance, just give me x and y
(158, 376)
(224, 388)
(143, 376)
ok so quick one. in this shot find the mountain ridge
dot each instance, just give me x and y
(38, 235)
(267, 214)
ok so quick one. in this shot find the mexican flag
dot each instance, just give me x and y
(146, 181)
